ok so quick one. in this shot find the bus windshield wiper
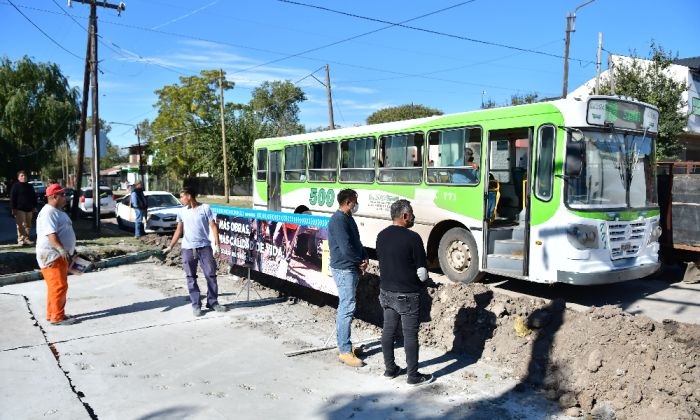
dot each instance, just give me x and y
(636, 152)
(623, 164)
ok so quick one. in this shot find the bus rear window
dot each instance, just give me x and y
(261, 167)
(401, 158)
(357, 162)
(295, 163)
(323, 162)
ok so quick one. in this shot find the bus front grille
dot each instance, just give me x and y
(625, 238)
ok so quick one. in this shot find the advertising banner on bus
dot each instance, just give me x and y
(293, 247)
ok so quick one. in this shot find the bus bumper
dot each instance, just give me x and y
(608, 276)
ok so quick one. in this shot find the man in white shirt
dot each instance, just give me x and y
(195, 220)
(55, 243)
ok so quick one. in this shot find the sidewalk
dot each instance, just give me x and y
(138, 353)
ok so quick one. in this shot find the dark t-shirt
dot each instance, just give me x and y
(400, 252)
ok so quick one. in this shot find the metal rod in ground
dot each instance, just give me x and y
(315, 349)
(248, 284)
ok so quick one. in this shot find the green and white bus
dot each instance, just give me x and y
(560, 191)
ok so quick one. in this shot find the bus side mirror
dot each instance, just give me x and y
(574, 159)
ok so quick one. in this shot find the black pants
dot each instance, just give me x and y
(404, 307)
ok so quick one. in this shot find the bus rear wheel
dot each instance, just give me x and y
(458, 255)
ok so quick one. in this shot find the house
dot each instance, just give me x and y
(686, 70)
(129, 172)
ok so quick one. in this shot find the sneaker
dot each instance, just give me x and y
(350, 359)
(420, 379)
(392, 373)
(29, 243)
(197, 311)
(65, 321)
(218, 308)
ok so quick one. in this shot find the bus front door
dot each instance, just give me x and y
(274, 184)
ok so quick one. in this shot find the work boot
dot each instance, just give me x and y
(357, 351)
(197, 311)
(350, 359)
(65, 321)
(66, 317)
(420, 379)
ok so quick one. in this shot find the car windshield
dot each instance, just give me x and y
(162, 200)
(104, 192)
(618, 171)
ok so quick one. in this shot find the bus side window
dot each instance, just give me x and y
(323, 161)
(454, 156)
(401, 158)
(357, 160)
(295, 163)
(261, 167)
(544, 180)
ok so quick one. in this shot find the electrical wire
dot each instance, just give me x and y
(430, 31)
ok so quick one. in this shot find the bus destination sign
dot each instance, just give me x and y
(622, 115)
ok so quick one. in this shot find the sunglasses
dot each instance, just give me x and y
(60, 195)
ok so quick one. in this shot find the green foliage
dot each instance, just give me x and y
(516, 99)
(321, 128)
(400, 113)
(278, 103)
(649, 81)
(39, 112)
(490, 103)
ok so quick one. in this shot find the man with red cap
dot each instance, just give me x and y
(55, 244)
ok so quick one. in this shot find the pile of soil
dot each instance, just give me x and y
(602, 362)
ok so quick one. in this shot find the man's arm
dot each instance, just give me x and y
(176, 236)
(215, 231)
(53, 239)
(420, 259)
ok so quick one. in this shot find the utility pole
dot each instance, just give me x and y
(597, 75)
(81, 134)
(412, 117)
(330, 101)
(570, 27)
(92, 33)
(223, 131)
(611, 66)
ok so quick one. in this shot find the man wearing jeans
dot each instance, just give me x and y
(403, 270)
(140, 204)
(195, 219)
(348, 260)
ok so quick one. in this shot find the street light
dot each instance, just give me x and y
(138, 137)
(569, 29)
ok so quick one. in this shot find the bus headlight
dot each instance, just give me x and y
(655, 232)
(582, 236)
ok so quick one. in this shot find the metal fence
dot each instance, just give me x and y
(204, 186)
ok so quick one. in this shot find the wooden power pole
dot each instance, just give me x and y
(566, 55)
(81, 134)
(95, 169)
(223, 132)
(597, 74)
(330, 99)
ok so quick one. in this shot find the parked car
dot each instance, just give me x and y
(69, 199)
(108, 202)
(39, 188)
(163, 209)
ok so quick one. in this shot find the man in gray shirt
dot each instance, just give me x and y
(348, 260)
(195, 219)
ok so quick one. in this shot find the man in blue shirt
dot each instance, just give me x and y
(348, 260)
(140, 204)
(195, 220)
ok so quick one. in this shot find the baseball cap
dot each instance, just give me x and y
(53, 189)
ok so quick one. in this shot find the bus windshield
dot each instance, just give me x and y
(618, 171)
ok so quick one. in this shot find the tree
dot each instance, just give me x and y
(278, 103)
(650, 81)
(188, 112)
(516, 99)
(38, 113)
(400, 113)
(321, 128)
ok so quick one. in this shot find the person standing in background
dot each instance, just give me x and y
(23, 203)
(55, 244)
(348, 260)
(140, 204)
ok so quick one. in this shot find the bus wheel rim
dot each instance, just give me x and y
(458, 256)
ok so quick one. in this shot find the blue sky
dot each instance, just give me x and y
(368, 72)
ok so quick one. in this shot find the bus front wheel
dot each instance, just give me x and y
(458, 255)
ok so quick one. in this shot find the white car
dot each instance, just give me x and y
(39, 188)
(163, 209)
(108, 202)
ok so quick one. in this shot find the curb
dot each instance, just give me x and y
(27, 276)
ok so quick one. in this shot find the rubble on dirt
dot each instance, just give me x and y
(603, 362)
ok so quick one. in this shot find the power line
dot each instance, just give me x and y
(430, 31)
(356, 36)
(45, 34)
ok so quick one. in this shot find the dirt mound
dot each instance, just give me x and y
(603, 362)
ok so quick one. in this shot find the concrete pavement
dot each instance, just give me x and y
(138, 353)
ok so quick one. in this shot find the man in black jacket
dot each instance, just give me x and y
(403, 269)
(23, 202)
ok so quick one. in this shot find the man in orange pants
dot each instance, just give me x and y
(55, 243)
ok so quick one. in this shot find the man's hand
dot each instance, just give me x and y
(34, 210)
(14, 212)
(64, 253)
(166, 250)
(363, 266)
(217, 250)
